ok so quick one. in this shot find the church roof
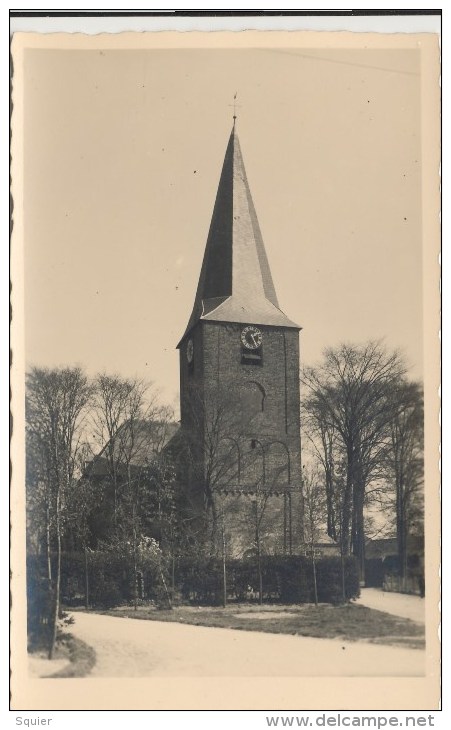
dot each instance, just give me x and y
(235, 283)
(135, 444)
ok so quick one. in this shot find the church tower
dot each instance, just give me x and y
(239, 386)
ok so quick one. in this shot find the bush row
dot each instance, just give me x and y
(285, 579)
(110, 579)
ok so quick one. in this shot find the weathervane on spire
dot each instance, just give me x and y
(235, 107)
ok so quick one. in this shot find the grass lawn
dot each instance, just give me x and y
(350, 622)
(78, 657)
(81, 657)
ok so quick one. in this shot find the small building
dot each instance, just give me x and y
(382, 569)
(126, 468)
(324, 547)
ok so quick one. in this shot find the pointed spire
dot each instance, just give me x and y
(234, 109)
(235, 283)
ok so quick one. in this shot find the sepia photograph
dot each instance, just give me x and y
(225, 338)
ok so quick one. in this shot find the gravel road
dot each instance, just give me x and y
(137, 648)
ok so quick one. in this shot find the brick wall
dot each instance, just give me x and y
(255, 411)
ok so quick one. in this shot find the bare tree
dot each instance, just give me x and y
(160, 506)
(81, 502)
(211, 456)
(315, 515)
(349, 394)
(259, 504)
(404, 460)
(129, 421)
(38, 497)
(56, 402)
(120, 406)
(326, 453)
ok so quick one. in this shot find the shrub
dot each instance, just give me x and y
(329, 579)
(286, 579)
(296, 579)
(241, 575)
(200, 580)
(110, 578)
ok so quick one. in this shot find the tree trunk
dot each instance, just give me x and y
(259, 568)
(285, 523)
(168, 598)
(361, 549)
(343, 578)
(403, 556)
(56, 595)
(315, 584)
(329, 484)
(358, 536)
(135, 570)
(224, 566)
(86, 580)
(346, 521)
(47, 539)
(346, 503)
(331, 526)
(259, 557)
(401, 533)
(173, 574)
(260, 576)
(290, 525)
(214, 537)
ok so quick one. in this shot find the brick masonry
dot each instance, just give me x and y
(249, 417)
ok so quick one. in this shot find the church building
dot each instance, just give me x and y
(239, 387)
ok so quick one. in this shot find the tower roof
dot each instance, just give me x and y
(235, 283)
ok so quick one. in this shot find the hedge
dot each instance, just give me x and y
(110, 579)
(285, 579)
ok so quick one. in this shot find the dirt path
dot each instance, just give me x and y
(137, 648)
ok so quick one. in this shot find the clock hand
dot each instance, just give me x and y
(253, 339)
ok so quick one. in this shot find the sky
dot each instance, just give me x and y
(123, 150)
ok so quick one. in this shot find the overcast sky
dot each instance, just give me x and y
(122, 155)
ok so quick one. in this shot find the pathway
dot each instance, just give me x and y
(132, 647)
(398, 604)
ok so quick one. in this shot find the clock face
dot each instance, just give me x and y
(251, 337)
(190, 351)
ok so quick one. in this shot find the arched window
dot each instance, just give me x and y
(227, 464)
(252, 396)
(253, 464)
(278, 465)
(259, 394)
